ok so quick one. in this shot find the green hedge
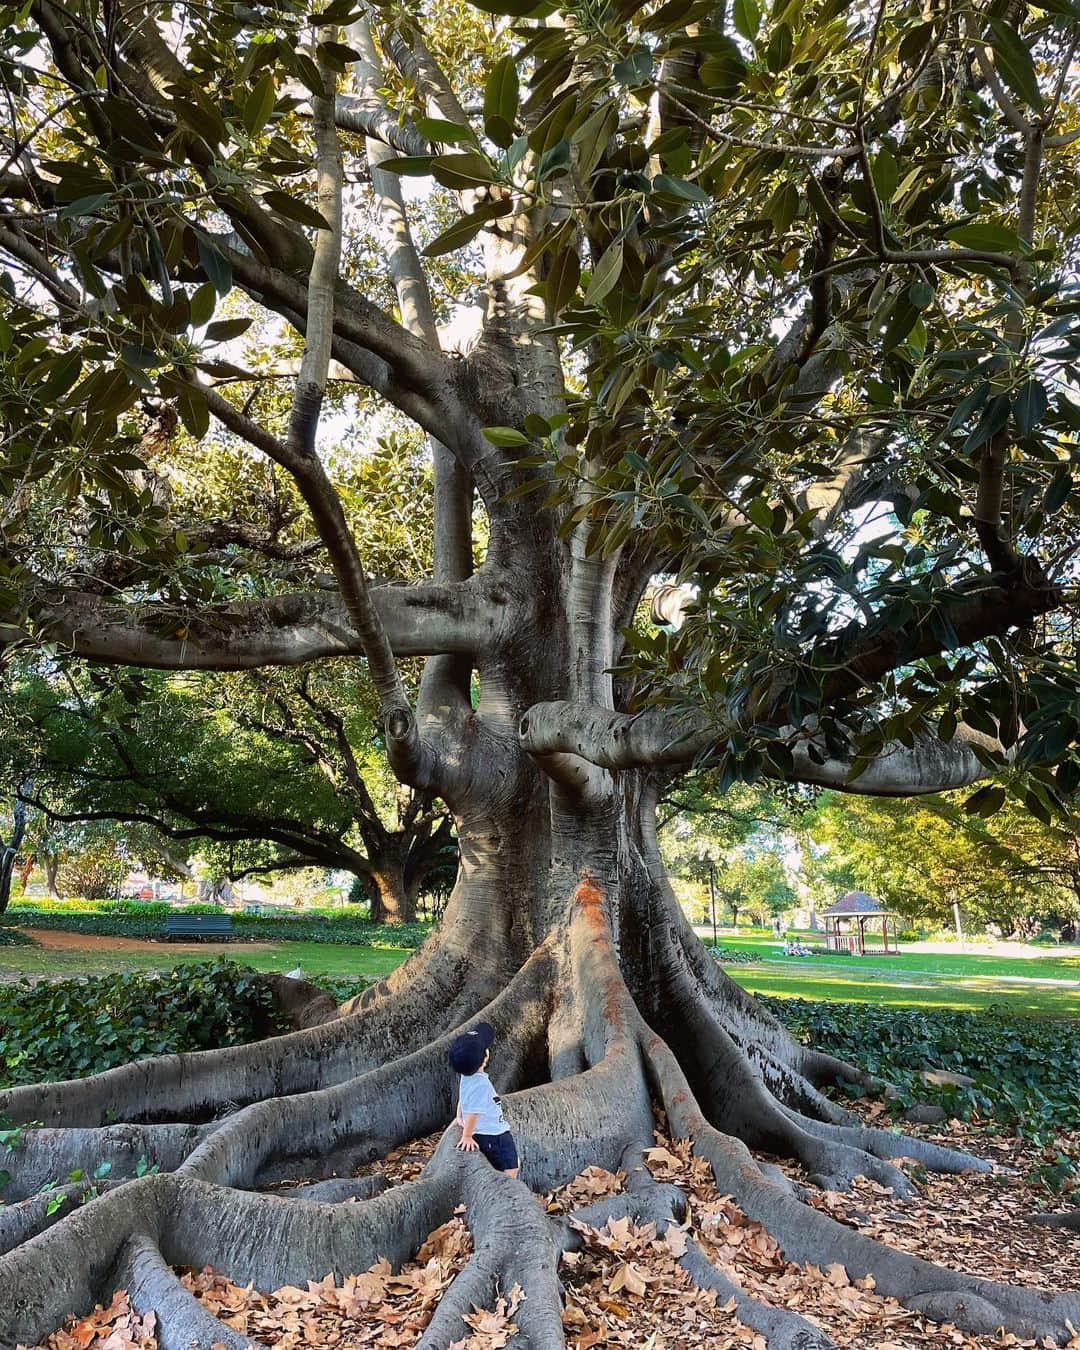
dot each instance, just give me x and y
(1026, 1069)
(146, 919)
(71, 1028)
(11, 937)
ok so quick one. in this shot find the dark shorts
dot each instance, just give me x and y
(499, 1149)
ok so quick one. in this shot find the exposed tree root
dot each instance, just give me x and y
(50, 1155)
(807, 1235)
(339, 1189)
(24, 1219)
(1070, 1219)
(153, 1287)
(584, 1072)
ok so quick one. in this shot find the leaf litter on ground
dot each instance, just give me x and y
(626, 1286)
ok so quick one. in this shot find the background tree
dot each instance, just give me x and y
(756, 883)
(735, 839)
(266, 769)
(11, 841)
(1010, 870)
(777, 302)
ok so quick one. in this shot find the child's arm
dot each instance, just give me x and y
(467, 1142)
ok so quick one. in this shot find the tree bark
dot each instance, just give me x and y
(52, 873)
(391, 901)
(9, 851)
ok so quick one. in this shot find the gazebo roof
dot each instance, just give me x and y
(856, 902)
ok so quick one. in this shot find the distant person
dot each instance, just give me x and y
(479, 1112)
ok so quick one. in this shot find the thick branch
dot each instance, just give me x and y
(284, 630)
(659, 736)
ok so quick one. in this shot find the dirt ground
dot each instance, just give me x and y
(90, 942)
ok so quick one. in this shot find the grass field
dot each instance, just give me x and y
(314, 958)
(1040, 983)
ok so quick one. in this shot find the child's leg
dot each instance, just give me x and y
(501, 1151)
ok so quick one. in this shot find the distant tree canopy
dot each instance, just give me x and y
(260, 773)
(920, 857)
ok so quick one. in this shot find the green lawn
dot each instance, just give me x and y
(313, 958)
(1040, 984)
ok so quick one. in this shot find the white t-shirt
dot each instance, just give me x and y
(477, 1096)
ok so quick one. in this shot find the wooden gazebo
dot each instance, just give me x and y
(859, 925)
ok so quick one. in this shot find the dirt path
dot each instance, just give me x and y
(90, 942)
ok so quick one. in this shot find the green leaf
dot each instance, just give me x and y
(1058, 491)
(782, 206)
(505, 436)
(592, 138)
(679, 187)
(723, 70)
(294, 209)
(1030, 406)
(985, 237)
(225, 329)
(408, 166)
(1012, 57)
(501, 99)
(84, 206)
(635, 70)
(779, 50)
(606, 273)
(202, 304)
(446, 133)
(993, 419)
(466, 229)
(903, 319)
(466, 170)
(338, 55)
(217, 267)
(562, 279)
(747, 18)
(554, 161)
(61, 378)
(886, 174)
(986, 801)
(191, 405)
(921, 294)
(259, 104)
(760, 512)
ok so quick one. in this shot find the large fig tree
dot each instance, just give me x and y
(772, 323)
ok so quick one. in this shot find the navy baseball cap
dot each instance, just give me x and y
(467, 1052)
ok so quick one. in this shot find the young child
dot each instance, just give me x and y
(479, 1114)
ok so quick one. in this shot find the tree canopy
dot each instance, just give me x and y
(921, 858)
(877, 506)
(259, 773)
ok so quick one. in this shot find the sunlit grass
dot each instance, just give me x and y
(913, 979)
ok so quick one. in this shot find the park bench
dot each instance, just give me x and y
(198, 925)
